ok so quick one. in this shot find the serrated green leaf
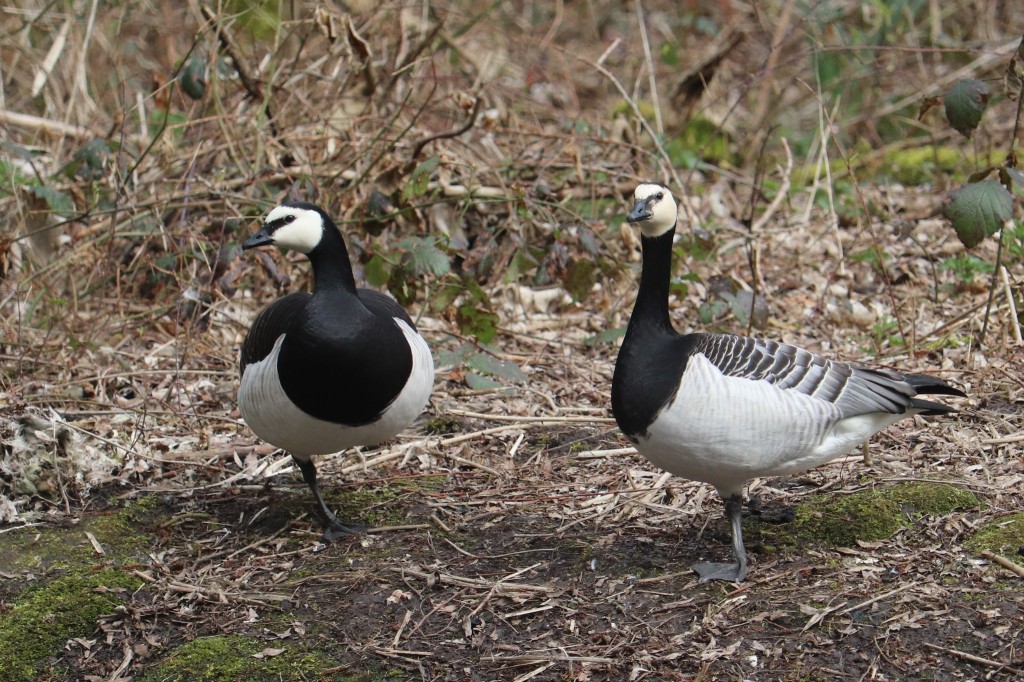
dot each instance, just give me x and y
(452, 358)
(89, 160)
(422, 256)
(193, 77)
(57, 200)
(978, 210)
(416, 186)
(488, 364)
(478, 382)
(477, 322)
(965, 104)
(442, 297)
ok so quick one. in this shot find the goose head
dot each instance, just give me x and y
(296, 225)
(654, 208)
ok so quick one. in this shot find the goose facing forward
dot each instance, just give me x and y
(725, 409)
(332, 369)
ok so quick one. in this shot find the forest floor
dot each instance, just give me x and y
(149, 535)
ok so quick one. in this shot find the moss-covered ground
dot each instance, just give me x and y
(43, 617)
(223, 658)
(870, 514)
(1003, 536)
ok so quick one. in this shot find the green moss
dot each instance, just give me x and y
(212, 659)
(699, 137)
(1004, 536)
(920, 165)
(373, 505)
(380, 505)
(866, 515)
(40, 621)
(645, 106)
(33, 549)
(442, 426)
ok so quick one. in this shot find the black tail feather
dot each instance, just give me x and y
(931, 409)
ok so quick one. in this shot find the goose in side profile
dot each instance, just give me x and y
(725, 409)
(332, 369)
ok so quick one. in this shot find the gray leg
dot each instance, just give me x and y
(333, 528)
(734, 572)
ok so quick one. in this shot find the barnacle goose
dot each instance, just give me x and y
(725, 409)
(332, 369)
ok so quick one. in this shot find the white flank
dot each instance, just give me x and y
(275, 419)
(727, 430)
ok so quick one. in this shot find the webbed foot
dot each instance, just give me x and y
(709, 570)
(336, 529)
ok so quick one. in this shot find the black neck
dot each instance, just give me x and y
(651, 308)
(331, 267)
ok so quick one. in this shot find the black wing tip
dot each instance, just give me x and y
(924, 384)
(928, 385)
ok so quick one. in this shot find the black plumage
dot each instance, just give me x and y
(335, 368)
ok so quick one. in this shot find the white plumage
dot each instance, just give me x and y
(725, 409)
(276, 419)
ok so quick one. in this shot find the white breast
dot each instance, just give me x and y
(275, 419)
(727, 430)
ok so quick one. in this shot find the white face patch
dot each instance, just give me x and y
(302, 234)
(663, 210)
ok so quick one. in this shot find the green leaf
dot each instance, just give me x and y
(967, 266)
(422, 256)
(193, 77)
(965, 104)
(58, 201)
(740, 303)
(89, 160)
(481, 383)
(377, 271)
(443, 296)
(1012, 177)
(669, 54)
(477, 322)
(488, 364)
(418, 180)
(978, 210)
(454, 358)
(173, 122)
(709, 311)
(607, 336)
(579, 278)
(979, 175)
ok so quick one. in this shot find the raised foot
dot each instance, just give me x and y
(336, 529)
(709, 570)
